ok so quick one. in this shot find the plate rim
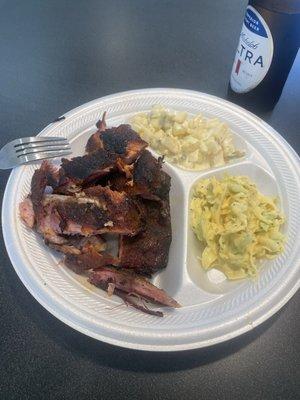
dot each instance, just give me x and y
(42, 297)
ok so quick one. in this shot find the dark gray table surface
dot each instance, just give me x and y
(58, 54)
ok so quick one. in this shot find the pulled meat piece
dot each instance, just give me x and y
(101, 124)
(90, 260)
(149, 180)
(98, 211)
(94, 141)
(123, 210)
(67, 186)
(31, 208)
(40, 217)
(122, 141)
(45, 176)
(52, 173)
(120, 183)
(123, 168)
(131, 284)
(132, 300)
(79, 245)
(88, 168)
(148, 251)
(27, 213)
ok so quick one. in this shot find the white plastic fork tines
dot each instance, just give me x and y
(28, 149)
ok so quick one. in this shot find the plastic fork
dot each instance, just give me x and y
(28, 149)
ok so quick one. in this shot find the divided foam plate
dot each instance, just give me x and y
(214, 309)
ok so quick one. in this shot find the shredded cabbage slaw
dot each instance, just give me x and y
(236, 224)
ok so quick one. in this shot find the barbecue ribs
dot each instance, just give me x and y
(122, 141)
(148, 251)
(116, 188)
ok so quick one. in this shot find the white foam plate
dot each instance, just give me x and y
(213, 309)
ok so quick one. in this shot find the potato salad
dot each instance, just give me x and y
(194, 143)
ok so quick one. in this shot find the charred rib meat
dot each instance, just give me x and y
(94, 143)
(149, 180)
(122, 141)
(148, 251)
(85, 169)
